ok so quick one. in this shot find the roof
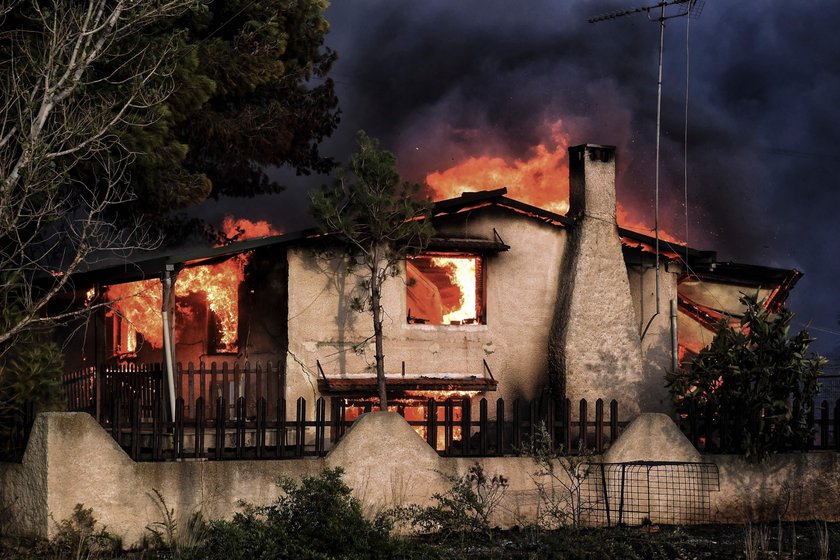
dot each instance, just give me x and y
(129, 270)
(702, 263)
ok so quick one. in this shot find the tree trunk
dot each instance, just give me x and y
(375, 296)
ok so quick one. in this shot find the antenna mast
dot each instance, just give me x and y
(691, 8)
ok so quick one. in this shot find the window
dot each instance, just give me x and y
(445, 289)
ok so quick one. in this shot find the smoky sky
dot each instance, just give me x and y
(438, 81)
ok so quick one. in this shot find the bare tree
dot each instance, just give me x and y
(74, 77)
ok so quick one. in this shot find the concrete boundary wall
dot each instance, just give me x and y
(71, 460)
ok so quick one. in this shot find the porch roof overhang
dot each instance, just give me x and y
(483, 246)
(400, 386)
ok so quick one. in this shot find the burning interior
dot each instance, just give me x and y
(414, 407)
(206, 311)
(445, 289)
(207, 304)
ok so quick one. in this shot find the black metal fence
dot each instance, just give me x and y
(284, 432)
(649, 492)
(712, 432)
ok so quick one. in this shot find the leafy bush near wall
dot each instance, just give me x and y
(464, 509)
(757, 382)
(318, 519)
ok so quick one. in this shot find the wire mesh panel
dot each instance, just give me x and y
(650, 492)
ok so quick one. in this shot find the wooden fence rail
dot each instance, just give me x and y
(94, 389)
(271, 433)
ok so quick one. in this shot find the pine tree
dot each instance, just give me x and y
(379, 222)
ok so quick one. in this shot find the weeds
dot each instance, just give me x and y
(168, 534)
(756, 541)
(77, 537)
(822, 540)
(466, 507)
(559, 479)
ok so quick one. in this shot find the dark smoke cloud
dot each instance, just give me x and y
(441, 80)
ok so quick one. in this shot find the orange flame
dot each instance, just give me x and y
(240, 229)
(139, 303)
(462, 274)
(542, 180)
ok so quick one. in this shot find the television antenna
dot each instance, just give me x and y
(667, 9)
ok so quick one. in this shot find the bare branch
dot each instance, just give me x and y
(57, 116)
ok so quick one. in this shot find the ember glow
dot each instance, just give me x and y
(413, 406)
(138, 304)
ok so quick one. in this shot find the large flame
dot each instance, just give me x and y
(139, 303)
(541, 180)
(444, 290)
(463, 275)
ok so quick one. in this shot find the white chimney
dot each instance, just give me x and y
(594, 349)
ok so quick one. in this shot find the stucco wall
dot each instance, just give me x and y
(656, 344)
(71, 460)
(520, 296)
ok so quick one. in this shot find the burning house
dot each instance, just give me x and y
(508, 300)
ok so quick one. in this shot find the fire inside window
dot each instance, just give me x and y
(445, 289)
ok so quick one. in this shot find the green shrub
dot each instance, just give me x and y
(758, 379)
(318, 519)
(465, 508)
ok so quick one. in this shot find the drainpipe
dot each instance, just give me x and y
(675, 349)
(168, 282)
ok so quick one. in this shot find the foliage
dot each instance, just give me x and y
(560, 479)
(170, 534)
(379, 221)
(757, 381)
(30, 374)
(113, 112)
(78, 537)
(77, 78)
(316, 519)
(252, 93)
(465, 508)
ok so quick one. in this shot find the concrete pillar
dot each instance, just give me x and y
(594, 348)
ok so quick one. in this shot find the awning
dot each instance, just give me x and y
(446, 244)
(399, 386)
